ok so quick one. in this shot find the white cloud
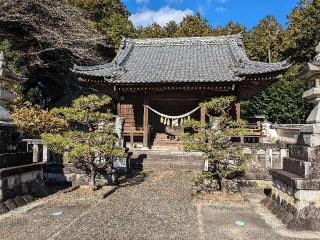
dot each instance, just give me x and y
(162, 16)
(221, 9)
(142, 1)
(175, 1)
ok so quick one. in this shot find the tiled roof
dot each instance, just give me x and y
(191, 59)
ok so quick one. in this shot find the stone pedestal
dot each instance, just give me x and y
(295, 197)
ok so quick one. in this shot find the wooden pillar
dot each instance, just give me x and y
(203, 114)
(237, 110)
(118, 109)
(146, 122)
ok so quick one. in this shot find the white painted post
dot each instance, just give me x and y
(35, 150)
(45, 154)
(283, 154)
(206, 165)
(268, 158)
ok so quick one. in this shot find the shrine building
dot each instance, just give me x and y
(158, 83)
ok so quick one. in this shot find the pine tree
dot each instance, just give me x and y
(213, 139)
(91, 143)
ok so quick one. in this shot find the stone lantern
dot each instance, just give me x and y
(312, 74)
(13, 151)
(7, 80)
(295, 197)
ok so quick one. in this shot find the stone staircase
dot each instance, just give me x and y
(166, 160)
(163, 141)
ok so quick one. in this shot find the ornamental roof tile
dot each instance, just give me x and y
(173, 60)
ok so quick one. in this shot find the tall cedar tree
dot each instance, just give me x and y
(265, 41)
(303, 32)
(194, 26)
(92, 144)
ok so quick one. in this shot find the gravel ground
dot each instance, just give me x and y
(159, 207)
(150, 206)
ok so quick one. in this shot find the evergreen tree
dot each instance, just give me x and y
(214, 140)
(194, 26)
(281, 102)
(264, 42)
(91, 143)
(232, 28)
(303, 32)
(171, 29)
(108, 16)
(152, 31)
(12, 57)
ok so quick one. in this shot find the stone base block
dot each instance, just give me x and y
(298, 209)
(293, 180)
(69, 174)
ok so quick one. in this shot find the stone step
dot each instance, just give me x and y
(298, 167)
(172, 166)
(159, 147)
(166, 155)
(166, 141)
(152, 159)
(167, 165)
(281, 176)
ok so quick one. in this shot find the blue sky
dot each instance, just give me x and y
(218, 12)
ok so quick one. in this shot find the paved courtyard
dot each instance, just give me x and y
(151, 206)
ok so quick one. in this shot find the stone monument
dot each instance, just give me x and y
(295, 197)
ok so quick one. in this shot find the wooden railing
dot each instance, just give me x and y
(253, 130)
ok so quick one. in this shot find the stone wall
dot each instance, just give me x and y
(263, 157)
(21, 180)
(69, 174)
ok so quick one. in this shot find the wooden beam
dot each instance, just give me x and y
(146, 122)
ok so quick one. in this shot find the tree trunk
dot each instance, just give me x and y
(114, 176)
(222, 184)
(93, 175)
